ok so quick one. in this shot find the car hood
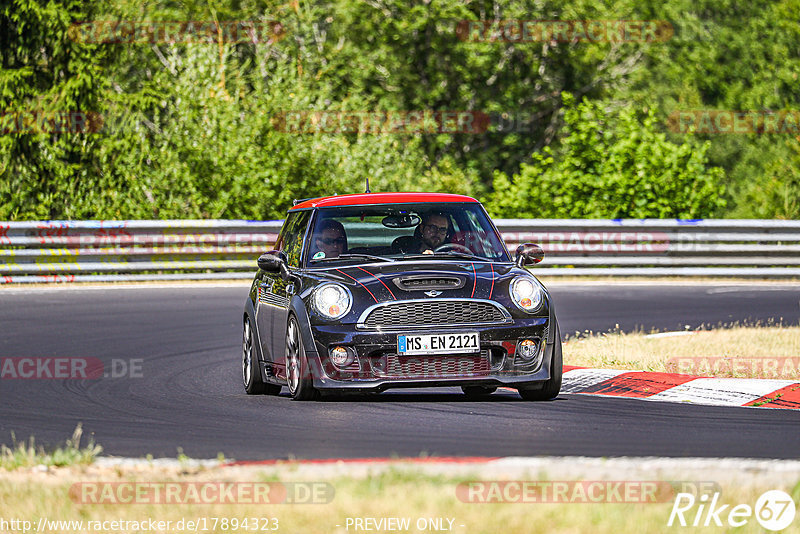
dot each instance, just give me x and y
(403, 280)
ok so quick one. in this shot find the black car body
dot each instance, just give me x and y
(385, 307)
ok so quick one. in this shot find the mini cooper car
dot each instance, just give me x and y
(373, 291)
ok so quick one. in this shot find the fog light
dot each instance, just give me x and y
(341, 357)
(527, 349)
(379, 365)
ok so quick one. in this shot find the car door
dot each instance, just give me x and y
(275, 293)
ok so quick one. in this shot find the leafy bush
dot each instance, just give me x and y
(190, 132)
(776, 193)
(611, 165)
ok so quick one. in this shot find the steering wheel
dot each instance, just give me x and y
(453, 246)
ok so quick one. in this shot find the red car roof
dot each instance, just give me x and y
(380, 198)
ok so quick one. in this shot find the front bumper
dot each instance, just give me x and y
(378, 367)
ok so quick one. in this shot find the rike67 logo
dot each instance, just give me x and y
(774, 510)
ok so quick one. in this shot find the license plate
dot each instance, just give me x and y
(438, 343)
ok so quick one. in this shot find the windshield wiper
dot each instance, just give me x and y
(349, 256)
(460, 255)
(448, 253)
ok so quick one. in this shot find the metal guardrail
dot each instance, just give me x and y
(78, 251)
(662, 247)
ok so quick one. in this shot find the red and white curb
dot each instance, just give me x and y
(671, 387)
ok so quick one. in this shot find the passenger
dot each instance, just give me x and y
(330, 239)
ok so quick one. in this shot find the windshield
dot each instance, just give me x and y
(403, 231)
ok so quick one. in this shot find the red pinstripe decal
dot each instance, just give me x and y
(359, 283)
(474, 280)
(491, 288)
(638, 384)
(381, 281)
(788, 398)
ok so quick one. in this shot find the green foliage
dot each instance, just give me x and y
(776, 193)
(611, 165)
(22, 454)
(45, 71)
(190, 128)
(732, 55)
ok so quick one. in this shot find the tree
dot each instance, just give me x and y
(611, 165)
(46, 80)
(776, 194)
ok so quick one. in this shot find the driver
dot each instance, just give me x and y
(434, 230)
(330, 239)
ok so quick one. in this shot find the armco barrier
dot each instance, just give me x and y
(77, 251)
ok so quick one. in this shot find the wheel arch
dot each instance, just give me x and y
(297, 308)
(552, 322)
(250, 311)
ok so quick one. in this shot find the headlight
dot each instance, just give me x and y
(331, 300)
(526, 293)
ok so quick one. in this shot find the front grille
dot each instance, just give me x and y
(354, 367)
(434, 313)
(434, 366)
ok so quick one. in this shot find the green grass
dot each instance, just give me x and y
(27, 454)
(402, 492)
(405, 491)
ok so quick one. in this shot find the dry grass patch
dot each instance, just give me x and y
(27, 454)
(740, 352)
(387, 493)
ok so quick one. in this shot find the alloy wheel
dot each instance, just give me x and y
(247, 353)
(292, 356)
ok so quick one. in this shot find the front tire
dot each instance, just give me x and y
(553, 385)
(298, 374)
(251, 375)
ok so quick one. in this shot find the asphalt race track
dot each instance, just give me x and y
(190, 395)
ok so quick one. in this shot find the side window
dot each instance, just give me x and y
(290, 241)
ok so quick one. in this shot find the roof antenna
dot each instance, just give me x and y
(367, 180)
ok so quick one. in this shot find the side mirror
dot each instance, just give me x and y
(270, 262)
(529, 254)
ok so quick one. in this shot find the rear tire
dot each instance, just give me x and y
(298, 374)
(251, 374)
(553, 385)
(478, 392)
